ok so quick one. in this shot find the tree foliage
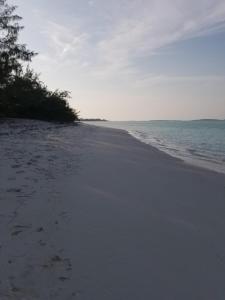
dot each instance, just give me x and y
(11, 52)
(22, 94)
(27, 97)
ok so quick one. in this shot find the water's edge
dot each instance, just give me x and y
(198, 145)
(193, 162)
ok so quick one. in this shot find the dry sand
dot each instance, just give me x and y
(91, 213)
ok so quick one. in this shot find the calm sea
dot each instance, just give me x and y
(200, 142)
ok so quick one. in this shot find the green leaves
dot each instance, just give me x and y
(12, 54)
(22, 94)
(27, 97)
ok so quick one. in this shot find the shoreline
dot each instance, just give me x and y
(194, 162)
(92, 213)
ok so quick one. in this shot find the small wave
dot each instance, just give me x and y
(190, 141)
(196, 153)
(172, 149)
(190, 155)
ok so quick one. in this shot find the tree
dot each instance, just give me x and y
(27, 97)
(22, 94)
(11, 52)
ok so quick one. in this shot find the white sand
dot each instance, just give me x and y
(91, 213)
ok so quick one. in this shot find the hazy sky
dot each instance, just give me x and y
(131, 59)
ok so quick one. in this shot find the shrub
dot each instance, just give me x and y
(25, 96)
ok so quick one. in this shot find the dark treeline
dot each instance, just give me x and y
(22, 94)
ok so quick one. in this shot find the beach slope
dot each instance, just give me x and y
(92, 213)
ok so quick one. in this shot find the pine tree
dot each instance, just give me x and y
(12, 53)
(22, 94)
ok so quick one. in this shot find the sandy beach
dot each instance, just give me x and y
(92, 213)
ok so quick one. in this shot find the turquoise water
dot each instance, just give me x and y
(200, 142)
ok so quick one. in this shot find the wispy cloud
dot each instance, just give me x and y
(65, 43)
(130, 29)
(156, 24)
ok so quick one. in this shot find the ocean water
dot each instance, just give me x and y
(200, 142)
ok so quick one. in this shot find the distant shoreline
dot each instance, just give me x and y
(93, 120)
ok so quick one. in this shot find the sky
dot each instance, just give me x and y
(131, 59)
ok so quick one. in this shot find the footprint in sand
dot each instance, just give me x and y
(76, 294)
(63, 214)
(20, 172)
(13, 190)
(12, 178)
(62, 278)
(56, 258)
(15, 289)
(19, 229)
(40, 229)
(16, 166)
(42, 243)
(15, 233)
(64, 263)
